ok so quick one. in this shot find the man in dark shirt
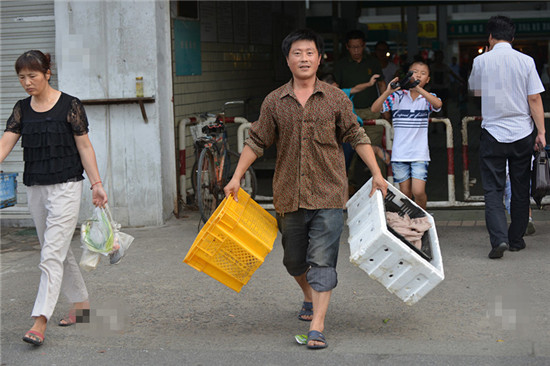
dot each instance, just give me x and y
(356, 68)
(308, 120)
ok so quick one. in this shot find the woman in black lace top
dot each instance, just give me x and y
(56, 149)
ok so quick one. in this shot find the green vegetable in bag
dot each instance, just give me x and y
(97, 232)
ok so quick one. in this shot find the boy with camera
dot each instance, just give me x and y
(411, 106)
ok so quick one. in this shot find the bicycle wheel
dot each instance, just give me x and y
(194, 170)
(248, 181)
(198, 146)
(207, 197)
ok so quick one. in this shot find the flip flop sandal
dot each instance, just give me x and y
(314, 335)
(34, 337)
(307, 310)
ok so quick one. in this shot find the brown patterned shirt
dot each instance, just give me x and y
(310, 170)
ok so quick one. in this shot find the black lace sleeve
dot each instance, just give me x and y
(77, 118)
(14, 122)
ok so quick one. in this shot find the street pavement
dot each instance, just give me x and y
(152, 309)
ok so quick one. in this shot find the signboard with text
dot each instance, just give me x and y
(426, 29)
(187, 47)
(475, 28)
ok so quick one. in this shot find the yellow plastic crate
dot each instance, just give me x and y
(234, 241)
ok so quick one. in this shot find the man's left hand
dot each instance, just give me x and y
(378, 182)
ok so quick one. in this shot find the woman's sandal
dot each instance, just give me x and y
(34, 337)
(68, 320)
(75, 316)
(307, 310)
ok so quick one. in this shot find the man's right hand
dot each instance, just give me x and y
(232, 188)
(540, 139)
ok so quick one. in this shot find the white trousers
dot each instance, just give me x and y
(54, 209)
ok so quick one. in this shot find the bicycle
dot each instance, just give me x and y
(213, 168)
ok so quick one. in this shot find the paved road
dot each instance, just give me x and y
(154, 310)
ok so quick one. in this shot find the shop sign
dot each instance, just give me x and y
(187, 47)
(477, 27)
(426, 29)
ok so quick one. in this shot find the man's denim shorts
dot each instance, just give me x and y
(403, 170)
(311, 239)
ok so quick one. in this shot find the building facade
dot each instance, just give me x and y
(193, 57)
(192, 61)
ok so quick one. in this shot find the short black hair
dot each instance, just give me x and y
(328, 78)
(501, 28)
(303, 35)
(381, 43)
(420, 62)
(355, 34)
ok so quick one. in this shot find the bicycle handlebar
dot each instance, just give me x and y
(233, 102)
(213, 128)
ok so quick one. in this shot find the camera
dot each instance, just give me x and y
(408, 82)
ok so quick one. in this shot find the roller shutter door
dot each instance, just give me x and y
(24, 25)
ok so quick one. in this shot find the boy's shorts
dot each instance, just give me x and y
(403, 170)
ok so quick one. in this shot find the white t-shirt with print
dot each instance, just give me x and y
(410, 124)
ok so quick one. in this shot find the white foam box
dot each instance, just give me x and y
(382, 255)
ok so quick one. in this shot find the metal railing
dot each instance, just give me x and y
(451, 201)
(451, 192)
(466, 160)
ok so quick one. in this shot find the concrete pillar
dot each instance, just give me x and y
(102, 46)
(412, 32)
(348, 12)
(442, 30)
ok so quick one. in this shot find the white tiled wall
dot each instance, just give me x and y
(236, 71)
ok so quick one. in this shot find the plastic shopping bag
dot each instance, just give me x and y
(121, 245)
(89, 260)
(97, 233)
(101, 235)
(540, 176)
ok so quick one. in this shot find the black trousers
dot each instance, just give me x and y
(493, 157)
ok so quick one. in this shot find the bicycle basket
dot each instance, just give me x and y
(196, 130)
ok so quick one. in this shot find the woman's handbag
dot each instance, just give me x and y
(540, 176)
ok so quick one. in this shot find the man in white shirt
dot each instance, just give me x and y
(510, 87)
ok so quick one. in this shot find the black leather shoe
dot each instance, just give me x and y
(516, 249)
(498, 251)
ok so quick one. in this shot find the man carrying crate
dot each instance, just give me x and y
(308, 120)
